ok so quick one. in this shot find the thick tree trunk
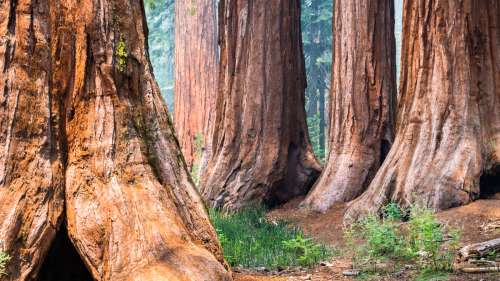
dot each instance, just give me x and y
(196, 71)
(448, 127)
(362, 100)
(261, 149)
(81, 113)
(31, 156)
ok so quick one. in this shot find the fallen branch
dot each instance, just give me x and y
(478, 250)
(480, 269)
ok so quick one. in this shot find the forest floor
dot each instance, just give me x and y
(327, 228)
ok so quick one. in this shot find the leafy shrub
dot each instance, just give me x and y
(392, 211)
(4, 259)
(374, 240)
(431, 243)
(307, 251)
(249, 240)
(423, 239)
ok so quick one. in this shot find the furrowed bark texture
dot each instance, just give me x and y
(362, 100)
(196, 72)
(31, 170)
(81, 118)
(261, 149)
(448, 128)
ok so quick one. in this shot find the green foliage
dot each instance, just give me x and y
(423, 239)
(249, 240)
(316, 20)
(160, 18)
(314, 124)
(430, 275)
(4, 259)
(392, 211)
(307, 251)
(374, 240)
(121, 55)
(431, 242)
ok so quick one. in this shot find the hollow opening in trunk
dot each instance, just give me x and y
(63, 263)
(489, 184)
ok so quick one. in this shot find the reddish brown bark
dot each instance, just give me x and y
(86, 129)
(362, 100)
(196, 71)
(448, 123)
(261, 149)
(31, 157)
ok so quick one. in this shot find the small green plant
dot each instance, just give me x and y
(4, 259)
(493, 255)
(250, 240)
(307, 251)
(431, 243)
(423, 239)
(121, 55)
(392, 211)
(374, 240)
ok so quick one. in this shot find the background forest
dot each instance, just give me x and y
(316, 20)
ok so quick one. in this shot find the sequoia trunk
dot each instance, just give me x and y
(196, 70)
(81, 113)
(362, 100)
(261, 149)
(448, 127)
(31, 156)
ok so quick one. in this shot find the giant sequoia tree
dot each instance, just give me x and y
(448, 125)
(85, 142)
(362, 100)
(196, 73)
(260, 150)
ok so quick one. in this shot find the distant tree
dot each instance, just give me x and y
(362, 100)
(260, 149)
(316, 19)
(160, 18)
(448, 126)
(196, 73)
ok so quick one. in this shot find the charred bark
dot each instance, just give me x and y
(448, 126)
(84, 127)
(196, 71)
(261, 149)
(362, 100)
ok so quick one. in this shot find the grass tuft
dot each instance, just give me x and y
(250, 240)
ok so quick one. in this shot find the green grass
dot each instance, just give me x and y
(249, 240)
(430, 275)
(423, 241)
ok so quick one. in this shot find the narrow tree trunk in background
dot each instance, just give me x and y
(261, 149)
(81, 111)
(448, 129)
(196, 72)
(31, 157)
(362, 100)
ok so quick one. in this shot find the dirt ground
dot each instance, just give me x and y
(473, 219)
